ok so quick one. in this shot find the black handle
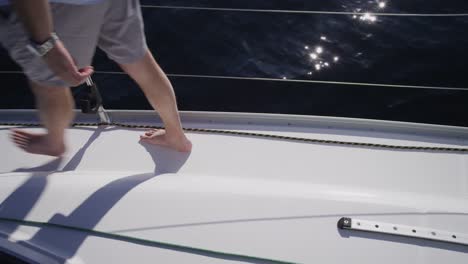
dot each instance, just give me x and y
(92, 100)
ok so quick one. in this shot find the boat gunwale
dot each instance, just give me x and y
(28, 116)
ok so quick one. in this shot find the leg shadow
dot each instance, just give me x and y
(23, 199)
(94, 208)
(166, 160)
(76, 159)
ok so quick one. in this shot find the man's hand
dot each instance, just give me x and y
(61, 63)
(37, 20)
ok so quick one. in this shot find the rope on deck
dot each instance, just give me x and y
(270, 136)
(154, 243)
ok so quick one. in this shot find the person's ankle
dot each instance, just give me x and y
(180, 140)
(54, 141)
(185, 145)
(175, 132)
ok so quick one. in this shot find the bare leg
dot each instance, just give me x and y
(55, 106)
(159, 92)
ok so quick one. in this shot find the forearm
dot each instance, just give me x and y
(36, 18)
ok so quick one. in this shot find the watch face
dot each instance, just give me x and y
(46, 47)
(43, 49)
(40, 50)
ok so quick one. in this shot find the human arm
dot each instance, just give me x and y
(36, 18)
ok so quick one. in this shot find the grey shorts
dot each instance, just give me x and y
(115, 26)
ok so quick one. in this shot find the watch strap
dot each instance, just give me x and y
(44, 48)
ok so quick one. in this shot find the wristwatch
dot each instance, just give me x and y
(41, 49)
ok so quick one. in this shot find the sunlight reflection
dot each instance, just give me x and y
(322, 56)
(368, 17)
(370, 13)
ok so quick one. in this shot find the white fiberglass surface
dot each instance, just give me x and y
(243, 157)
(254, 196)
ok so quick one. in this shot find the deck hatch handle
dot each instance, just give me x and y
(347, 223)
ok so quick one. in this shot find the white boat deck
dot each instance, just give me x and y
(267, 198)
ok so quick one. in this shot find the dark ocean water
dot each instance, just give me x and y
(398, 50)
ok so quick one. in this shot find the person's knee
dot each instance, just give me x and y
(53, 94)
(46, 88)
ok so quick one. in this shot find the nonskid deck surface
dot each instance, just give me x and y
(239, 194)
(115, 148)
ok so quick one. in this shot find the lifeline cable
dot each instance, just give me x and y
(310, 12)
(240, 78)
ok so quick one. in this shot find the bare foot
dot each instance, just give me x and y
(36, 143)
(159, 137)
